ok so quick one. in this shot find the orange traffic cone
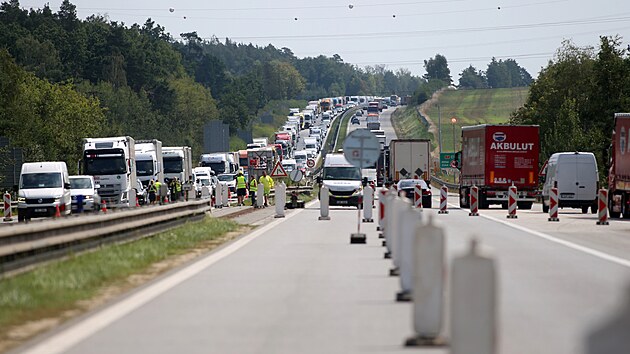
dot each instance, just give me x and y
(103, 206)
(57, 212)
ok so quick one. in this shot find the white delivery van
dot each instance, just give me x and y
(576, 177)
(43, 187)
(343, 181)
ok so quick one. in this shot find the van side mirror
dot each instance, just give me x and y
(97, 186)
(66, 185)
(365, 181)
(320, 179)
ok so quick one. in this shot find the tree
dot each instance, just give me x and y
(437, 68)
(472, 78)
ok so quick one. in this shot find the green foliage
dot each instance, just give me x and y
(472, 78)
(574, 98)
(237, 143)
(508, 73)
(437, 69)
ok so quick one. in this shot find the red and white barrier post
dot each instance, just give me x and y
(474, 201)
(602, 213)
(443, 199)
(7, 207)
(512, 199)
(553, 204)
(417, 196)
(381, 211)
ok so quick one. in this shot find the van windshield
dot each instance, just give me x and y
(342, 173)
(40, 180)
(80, 183)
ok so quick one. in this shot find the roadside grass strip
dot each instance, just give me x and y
(54, 289)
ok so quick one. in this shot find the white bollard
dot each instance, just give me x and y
(219, 196)
(324, 201)
(553, 204)
(474, 201)
(428, 288)
(281, 196)
(381, 211)
(389, 228)
(205, 192)
(226, 195)
(417, 196)
(410, 220)
(399, 204)
(368, 198)
(602, 210)
(512, 201)
(7, 207)
(260, 196)
(443, 200)
(473, 304)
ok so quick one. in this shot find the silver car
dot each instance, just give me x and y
(84, 186)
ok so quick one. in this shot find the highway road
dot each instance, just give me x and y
(296, 285)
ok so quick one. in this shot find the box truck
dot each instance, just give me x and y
(112, 162)
(619, 172)
(409, 158)
(493, 158)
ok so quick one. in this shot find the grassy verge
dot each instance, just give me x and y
(408, 125)
(54, 289)
(343, 131)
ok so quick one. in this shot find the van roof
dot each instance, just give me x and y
(46, 166)
(336, 160)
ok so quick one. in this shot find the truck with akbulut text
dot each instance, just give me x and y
(177, 163)
(495, 157)
(619, 172)
(112, 162)
(149, 161)
(409, 159)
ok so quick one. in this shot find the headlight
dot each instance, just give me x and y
(57, 199)
(87, 197)
(21, 200)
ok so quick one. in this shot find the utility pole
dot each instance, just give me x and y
(439, 129)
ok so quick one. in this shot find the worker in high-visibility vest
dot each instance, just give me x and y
(253, 188)
(267, 183)
(241, 187)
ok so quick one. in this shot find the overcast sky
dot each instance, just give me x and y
(398, 33)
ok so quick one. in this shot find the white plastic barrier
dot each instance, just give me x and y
(281, 197)
(473, 304)
(389, 201)
(205, 192)
(226, 195)
(428, 288)
(398, 205)
(411, 220)
(368, 199)
(324, 208)
(260, 196)
(219, 195)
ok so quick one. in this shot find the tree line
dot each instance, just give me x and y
(575, 97)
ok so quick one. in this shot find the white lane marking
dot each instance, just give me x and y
(575, 246)
(80, 331)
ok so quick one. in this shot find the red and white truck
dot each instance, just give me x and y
(619, 173)
(494, 157)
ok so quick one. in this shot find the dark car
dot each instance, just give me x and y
(355, 120)
(359, 113)
(408, 185)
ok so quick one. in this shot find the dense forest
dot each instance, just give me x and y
(64, 78)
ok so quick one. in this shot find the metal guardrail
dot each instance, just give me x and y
(23, 245)
(451, 186)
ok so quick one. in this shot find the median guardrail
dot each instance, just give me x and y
(451, 186)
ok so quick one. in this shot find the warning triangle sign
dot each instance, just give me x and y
(278, 171)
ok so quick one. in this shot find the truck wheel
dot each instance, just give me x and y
(525, 205)
(463, 198)
(594, 208)
(584, 209)
(545, 207)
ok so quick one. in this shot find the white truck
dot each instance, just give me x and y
(112, 162)
(409, 158)
(262, 141)
(309, 118)
(177, 163)
(219, 162)
(149, 161)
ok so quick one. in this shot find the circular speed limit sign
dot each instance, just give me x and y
(310, 163)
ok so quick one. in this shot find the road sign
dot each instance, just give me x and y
(361, 148)
(310, 163)
(447, 159)
(278, 171)
(296, 175)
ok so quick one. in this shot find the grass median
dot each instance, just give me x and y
(38, 300)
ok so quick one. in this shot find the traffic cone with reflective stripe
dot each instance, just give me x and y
(57, 212)
(103, 206)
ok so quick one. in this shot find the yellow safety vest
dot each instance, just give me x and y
(253, 186)
(241, 182)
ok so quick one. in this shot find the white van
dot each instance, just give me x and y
(311, 144)
(43, 187)
(576, 177)
(343, 181)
